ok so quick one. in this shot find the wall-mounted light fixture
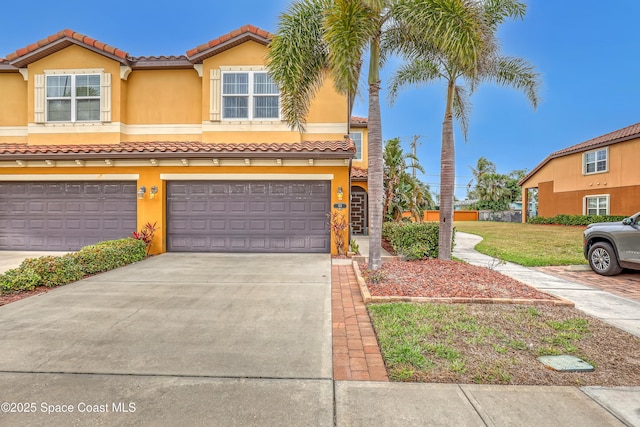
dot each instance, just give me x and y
(152, 192)
(141, 192)
(339, 193)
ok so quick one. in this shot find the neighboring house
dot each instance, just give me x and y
(599, 177)
(95, 143)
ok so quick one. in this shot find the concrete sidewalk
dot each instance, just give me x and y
(620, 312)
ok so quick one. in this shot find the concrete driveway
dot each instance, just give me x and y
(194, 339)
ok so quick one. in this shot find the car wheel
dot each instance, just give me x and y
(603, 259)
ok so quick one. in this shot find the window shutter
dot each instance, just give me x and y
(39, 99)
(105, 97)
(214, 105)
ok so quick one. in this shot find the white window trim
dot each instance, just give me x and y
(40, 101)
(585, 201)
(361, 145)
(251, 70)
(584, 161)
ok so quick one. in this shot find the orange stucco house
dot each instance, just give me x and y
(596, 177)
(95, 143)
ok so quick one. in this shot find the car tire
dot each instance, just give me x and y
(603, 259)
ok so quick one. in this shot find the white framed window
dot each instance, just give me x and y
(357, 139)
(249, 95)
(596, 161)
(596, 205)
(73, 97)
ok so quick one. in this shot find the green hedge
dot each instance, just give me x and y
(111, 254)
(53, 271)
(575, 219)
(413, 240)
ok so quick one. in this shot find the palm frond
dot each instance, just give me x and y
(350, 25)
(516, 73)
(497, 11)
(297, 58)
(416, 73)
(462, 109)
(456, 27)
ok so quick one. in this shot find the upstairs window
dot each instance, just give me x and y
(249, 95)
(356, 137)
(73, 97)
(596, 161)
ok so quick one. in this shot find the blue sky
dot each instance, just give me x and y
(585, 51)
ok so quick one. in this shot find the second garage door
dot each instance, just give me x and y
(248, 216)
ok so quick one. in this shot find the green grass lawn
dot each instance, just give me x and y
(499, 344)
(530, 245)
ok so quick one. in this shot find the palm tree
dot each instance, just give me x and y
(483, 166)
(318, 36)
(402, 191)
(427, 63)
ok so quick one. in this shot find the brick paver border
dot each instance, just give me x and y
(356, 354)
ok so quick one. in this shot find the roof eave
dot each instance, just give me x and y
(180, 155)
(583, 149)
(199, 57)
(56, 46)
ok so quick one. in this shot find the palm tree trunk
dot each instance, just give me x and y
(447, 178)
(375, 173)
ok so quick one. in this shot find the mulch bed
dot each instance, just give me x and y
(7, 298)
(434, 278)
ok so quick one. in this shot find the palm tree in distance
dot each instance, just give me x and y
(316, 38)
(427, 63)
(483, 167)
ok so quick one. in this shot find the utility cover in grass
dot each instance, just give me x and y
(565, 363)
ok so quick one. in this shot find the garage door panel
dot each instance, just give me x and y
(252, 216)
(277, 225)
(298, 208)
(238, 225)
(236, 207)
(258, 225)
(258, 243)
(318, 225)
(65, 215)
(315, 207)
(199, 206)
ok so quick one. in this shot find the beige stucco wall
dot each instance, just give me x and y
(164, 97)
(13, 102)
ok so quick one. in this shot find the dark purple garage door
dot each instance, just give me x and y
(248, 216)
(65, 216)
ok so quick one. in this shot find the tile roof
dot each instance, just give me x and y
(359, 122)
(358, 173)
(169, 149)
(620, 135)
(60, 40)
(227, 41)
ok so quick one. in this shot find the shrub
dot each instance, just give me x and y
(580, 220)
(146, 235)
(17, 279)
(110, 254)
(413, 240)
(338, 226)
(54, 271)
